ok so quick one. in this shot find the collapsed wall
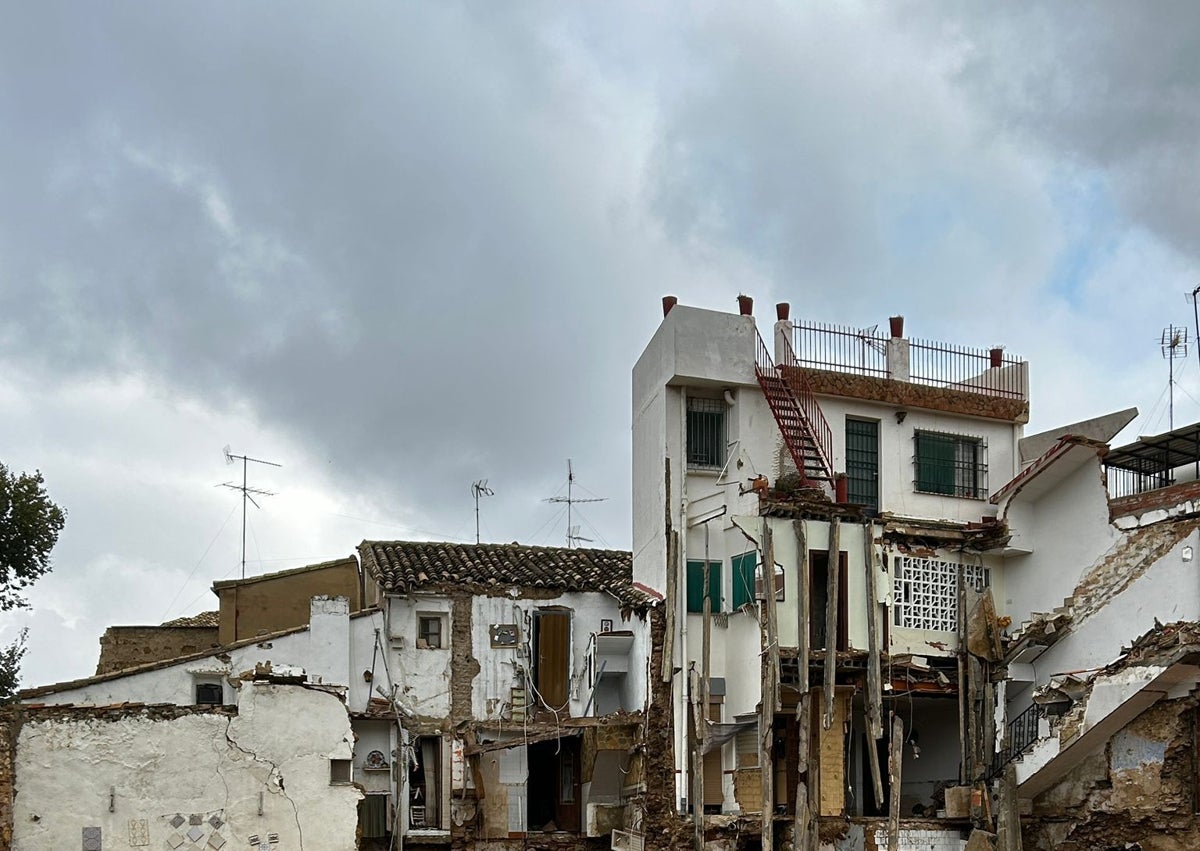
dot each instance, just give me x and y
(1139, 791)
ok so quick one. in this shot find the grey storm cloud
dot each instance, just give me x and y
(425, 242)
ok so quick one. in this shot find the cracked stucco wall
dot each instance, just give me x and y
(204, 764)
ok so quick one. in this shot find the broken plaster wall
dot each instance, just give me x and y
(1138, 791)
(175, 683)
(1142, 579)
(188, 763)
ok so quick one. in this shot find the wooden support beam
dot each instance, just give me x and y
(672, 591)
(772, 655)
(895, 757)
(874, 695)
(697, 760)
(831, 619)
(964, 763)
(803, 833)
(767, 682)
(1008, 821)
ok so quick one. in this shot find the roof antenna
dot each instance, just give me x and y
(570, 499)
(1174, 343)
(480, 488)
(245, 491)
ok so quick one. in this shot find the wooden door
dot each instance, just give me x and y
(552, 638)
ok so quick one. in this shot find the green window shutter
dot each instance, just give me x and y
(744, 567)
(695, 586)
(935, 463)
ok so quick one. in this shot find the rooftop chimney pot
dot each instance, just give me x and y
(745, 305)
(669, 301)
(782, 311)
(896, 323)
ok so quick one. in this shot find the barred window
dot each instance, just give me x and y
(705, 434)
(925, 592)
(951, 464)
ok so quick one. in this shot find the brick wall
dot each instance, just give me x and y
(126, 646)
(1139, 503)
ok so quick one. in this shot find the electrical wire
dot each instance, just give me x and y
(198, 563)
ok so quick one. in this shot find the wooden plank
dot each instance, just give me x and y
(831, 619)
(697, 767)
(766, 713)
(672, 592)
(772, 655)
(804, 838)
(964, 767)
(874, 695)
(1008, 822)
(831, 759)
(895, 757)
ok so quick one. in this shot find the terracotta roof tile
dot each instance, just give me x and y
(403, 566)
(209, 619)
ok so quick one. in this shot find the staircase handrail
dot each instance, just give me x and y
(814, 419)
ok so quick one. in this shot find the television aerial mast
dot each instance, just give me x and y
(570, 499)
(1174, 343)
(480, 488)
(246, 492)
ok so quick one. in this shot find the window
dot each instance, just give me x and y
(925, 592)
(429, 631)
(744, 567)
(695, 586)
(209, 694)
(339, 770)
(951, 464)
(373, 813)
(705, 434)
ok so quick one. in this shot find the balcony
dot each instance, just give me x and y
(862, 363)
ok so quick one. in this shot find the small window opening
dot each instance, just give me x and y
(209, 694)
(429, 632)
(339, 770)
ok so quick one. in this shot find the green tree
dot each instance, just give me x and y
(29, 527)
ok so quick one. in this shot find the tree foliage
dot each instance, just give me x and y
(29, 527)
(10, 666)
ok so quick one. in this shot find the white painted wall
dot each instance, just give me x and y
(1067, 530)
(423, 674)
(491, 690)
(176, 683)
(279, 744)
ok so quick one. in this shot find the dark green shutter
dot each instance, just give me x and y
(695, 586)
(744, 567)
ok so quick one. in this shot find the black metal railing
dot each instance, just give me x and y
(1020, 735)
(990, 372)
(1122, 482)
(819, 345)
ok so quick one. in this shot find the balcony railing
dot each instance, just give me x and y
(1022, 733)
(1122, 482)
(822, 346)
(836, 348)
(987, 371)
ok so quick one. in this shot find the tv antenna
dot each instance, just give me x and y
(1174, 343)
(570, 499)
(248, 493)
(480, 488)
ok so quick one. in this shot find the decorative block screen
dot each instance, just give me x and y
(925, 592)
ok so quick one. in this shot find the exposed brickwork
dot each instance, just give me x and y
(1114, 801)
(904, 394)
(128, 646)
(463, 663)
(10, 727)
(1139, 503)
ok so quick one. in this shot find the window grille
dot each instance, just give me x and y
(925, 592)
(705, 434)
(951, 464)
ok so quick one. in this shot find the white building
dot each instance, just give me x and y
(494, 692)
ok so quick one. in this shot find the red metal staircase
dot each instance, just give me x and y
(803, 426)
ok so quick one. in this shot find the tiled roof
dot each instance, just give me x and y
(208, 619)
(403, 566)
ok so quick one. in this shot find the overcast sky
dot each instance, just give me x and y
(401, 247)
